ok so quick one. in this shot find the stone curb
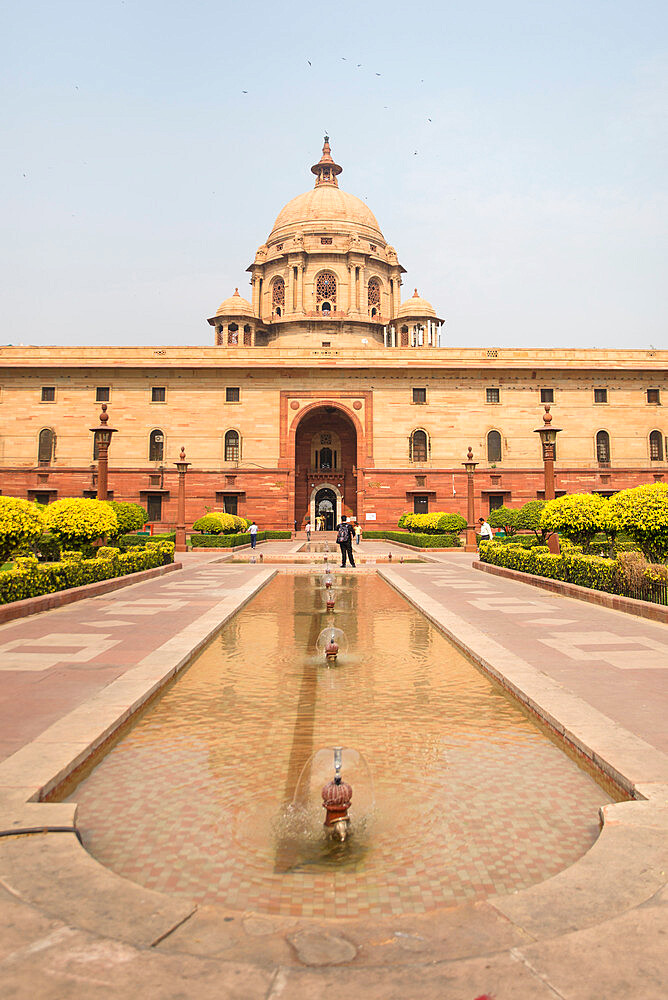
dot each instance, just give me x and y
(47, 602)
(616, 602)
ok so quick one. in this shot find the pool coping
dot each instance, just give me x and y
(45, 866)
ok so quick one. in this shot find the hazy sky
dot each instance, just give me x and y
(514, 154)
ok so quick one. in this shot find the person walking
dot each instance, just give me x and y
(344, 539)
(358, 533)
(253, 534)
(486, 533)
(308, 530)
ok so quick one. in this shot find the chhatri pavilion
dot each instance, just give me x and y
(328, 392)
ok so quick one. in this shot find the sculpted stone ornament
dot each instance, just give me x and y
(336, 797)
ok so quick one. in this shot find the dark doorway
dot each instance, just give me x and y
(154, 506)
(325, 506)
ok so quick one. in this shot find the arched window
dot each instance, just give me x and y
(46, 449)
(603, 446)
(325, 458)
(156, 446)
(419, 446)
(656, 446)
(325, 291)
(493, 446)
(374, 297)
(231, 446)
(232, 334)
(278, 296)
(247, 335)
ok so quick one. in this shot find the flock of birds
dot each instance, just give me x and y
(357, 66)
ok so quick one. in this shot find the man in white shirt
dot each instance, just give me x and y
(253, 534)
(486, 533)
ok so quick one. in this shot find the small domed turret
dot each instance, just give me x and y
(236, 305)
(416, 307)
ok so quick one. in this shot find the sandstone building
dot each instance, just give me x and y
(328, 392)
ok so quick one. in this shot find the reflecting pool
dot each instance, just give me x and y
(460, 794)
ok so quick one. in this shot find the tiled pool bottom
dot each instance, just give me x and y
(471, 797)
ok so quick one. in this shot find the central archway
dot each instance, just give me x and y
(326, 455)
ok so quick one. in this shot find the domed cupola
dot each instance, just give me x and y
(325, 170)
(416, 307)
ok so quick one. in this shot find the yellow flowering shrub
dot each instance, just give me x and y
(21, 524)
(578, 516)
(642, 512)
(77, 521)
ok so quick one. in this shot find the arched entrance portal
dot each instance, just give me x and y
(324, 506)
(325, 465)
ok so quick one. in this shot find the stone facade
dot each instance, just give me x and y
(327, 391)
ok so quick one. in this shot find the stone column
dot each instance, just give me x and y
(289, 291)
(351, 288)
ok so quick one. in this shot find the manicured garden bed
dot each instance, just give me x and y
(418, 541)
(28, 578)
(232, 541)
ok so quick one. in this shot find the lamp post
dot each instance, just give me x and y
(548, 440)
(102, 438)
(470, 465)
(182, 468)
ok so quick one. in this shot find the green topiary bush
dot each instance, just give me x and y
(504, 517)
(130, 516)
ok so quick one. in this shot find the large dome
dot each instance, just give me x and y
(326, 205)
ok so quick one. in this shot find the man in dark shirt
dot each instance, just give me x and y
(344, 538)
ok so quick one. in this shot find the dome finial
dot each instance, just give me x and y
(326, 170)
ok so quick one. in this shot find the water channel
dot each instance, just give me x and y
(211, 793)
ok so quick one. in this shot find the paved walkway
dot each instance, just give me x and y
(53, 662)
(615, 662)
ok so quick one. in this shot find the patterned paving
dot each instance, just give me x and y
(625, 657)
(51, 663)
(470, 798)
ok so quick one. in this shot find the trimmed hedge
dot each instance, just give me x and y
(232, 541)
(448, 541)
(28, 578)
(126, 542)
(571, 566)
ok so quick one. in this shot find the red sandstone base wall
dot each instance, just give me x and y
(264, 495)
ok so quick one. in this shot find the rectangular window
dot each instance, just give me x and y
(420, 504)
(547, 395)
(102, 394)
(600, 395)
(232, 394)
(495, 501)
(158, 394)
(48, 393)
(419, 395)
(492, 396)
(154, 506)
(653, 396)
(230, 504)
